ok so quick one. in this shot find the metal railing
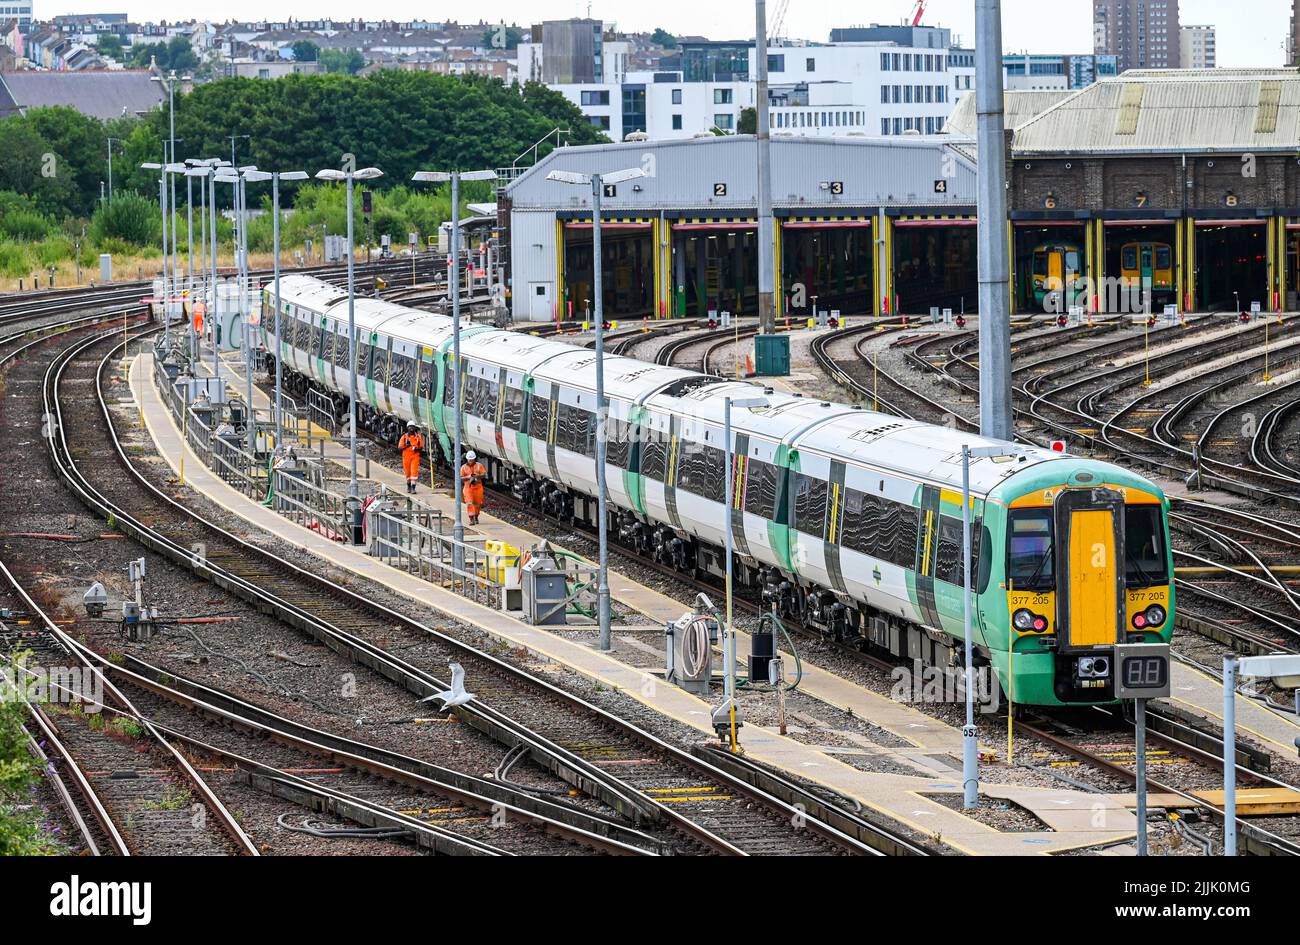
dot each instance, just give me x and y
(396, 528)
(419, 539)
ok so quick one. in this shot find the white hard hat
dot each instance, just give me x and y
(471, 456)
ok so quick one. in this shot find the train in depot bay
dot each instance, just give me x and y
(845, 520)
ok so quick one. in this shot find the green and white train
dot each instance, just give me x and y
(847, 520)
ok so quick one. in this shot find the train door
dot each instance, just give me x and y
(1090, 600)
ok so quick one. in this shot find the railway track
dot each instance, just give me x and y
(574, 739)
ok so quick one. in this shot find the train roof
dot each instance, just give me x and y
(307, 291)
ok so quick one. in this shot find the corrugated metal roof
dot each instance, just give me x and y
(1170, 111)
(1019, 106)
(686, 174)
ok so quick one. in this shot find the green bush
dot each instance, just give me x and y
(130, 217)
(14, 260)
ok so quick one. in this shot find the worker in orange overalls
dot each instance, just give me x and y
(412, 445)
(472, 477)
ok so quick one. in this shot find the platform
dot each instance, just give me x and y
(1074, 818)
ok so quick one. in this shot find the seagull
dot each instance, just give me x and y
(456, 695)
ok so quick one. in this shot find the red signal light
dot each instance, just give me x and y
(1058, 446)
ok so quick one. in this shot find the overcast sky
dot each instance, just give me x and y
(1250, 32)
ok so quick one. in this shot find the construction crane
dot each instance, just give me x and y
(918, 12)
(779, 19)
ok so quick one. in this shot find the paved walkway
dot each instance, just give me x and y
(1076, 818)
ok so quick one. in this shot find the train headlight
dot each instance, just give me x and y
(1023, 620)
(1155, 615)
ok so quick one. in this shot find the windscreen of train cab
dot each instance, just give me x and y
(1146, 563)
(1031, 548)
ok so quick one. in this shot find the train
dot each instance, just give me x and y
(844, 520)
(1144, 266)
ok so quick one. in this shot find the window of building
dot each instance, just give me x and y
(677, 123)
(599, 121)
(884, 126)
(722, 96)
(595, 98)
(776, 62)
(677, 96)
(725, 122)
(810, 64)
(884, 62)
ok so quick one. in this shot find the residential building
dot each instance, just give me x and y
(20, 10)
(1197, 46)
(877, 80)
(1042, 72)
(1142, 34)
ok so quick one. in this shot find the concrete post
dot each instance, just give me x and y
(994, 291)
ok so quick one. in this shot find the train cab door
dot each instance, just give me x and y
(1090, 589)
(1147, 271)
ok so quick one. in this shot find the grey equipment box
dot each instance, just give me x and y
(545, 590)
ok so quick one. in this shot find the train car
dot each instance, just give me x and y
(1147, 266)
(1057, 276)
(846, 520)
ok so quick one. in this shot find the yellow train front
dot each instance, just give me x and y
(1087, 566)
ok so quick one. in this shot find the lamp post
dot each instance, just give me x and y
(600, 184)
(163, 170)
(729, 638)
(1273, 665)
(276, 177)
(453, 286)
(110, 166)
(365, 173)
(239, 177)
(970, 739)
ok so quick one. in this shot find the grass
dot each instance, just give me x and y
(173, 798)
(22, 261)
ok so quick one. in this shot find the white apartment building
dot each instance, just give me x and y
(20, 10)
(861, 88)
(1197, 47)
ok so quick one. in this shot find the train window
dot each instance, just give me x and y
(654, 454)
(760, 489)
(341, 350)
(870, 526)
(809, 505)
(1029, 550)
(319, 339)
(1162, 256)
(363, 358)
(382, 365)
(539, 418)
(426, 379)
(904, 523)
(489, 394)
(403, 368)
(949, 565)
(617, 443)
(512, 413)
(1144, 546)
(302, 334)
(1129, 257)
(576, 430)
(701, 470)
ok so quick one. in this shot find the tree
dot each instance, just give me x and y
(304, 50)
(503, 37)
(663, 38)
(130, 218)
(110, 44)
(348, 61)
(176, 54)
(747, 124)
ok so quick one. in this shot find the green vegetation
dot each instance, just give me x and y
(304, 50)
(175, 53)
(22, 832)
(56, 158)
(664, 38)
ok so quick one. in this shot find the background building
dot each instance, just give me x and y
(1142, 34)
(1197, 46)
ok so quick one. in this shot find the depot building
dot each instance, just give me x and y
(1184, 182)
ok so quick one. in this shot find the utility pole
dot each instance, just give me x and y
(994, 262)
(766, 226)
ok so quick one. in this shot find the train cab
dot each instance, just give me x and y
(1088, 566)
